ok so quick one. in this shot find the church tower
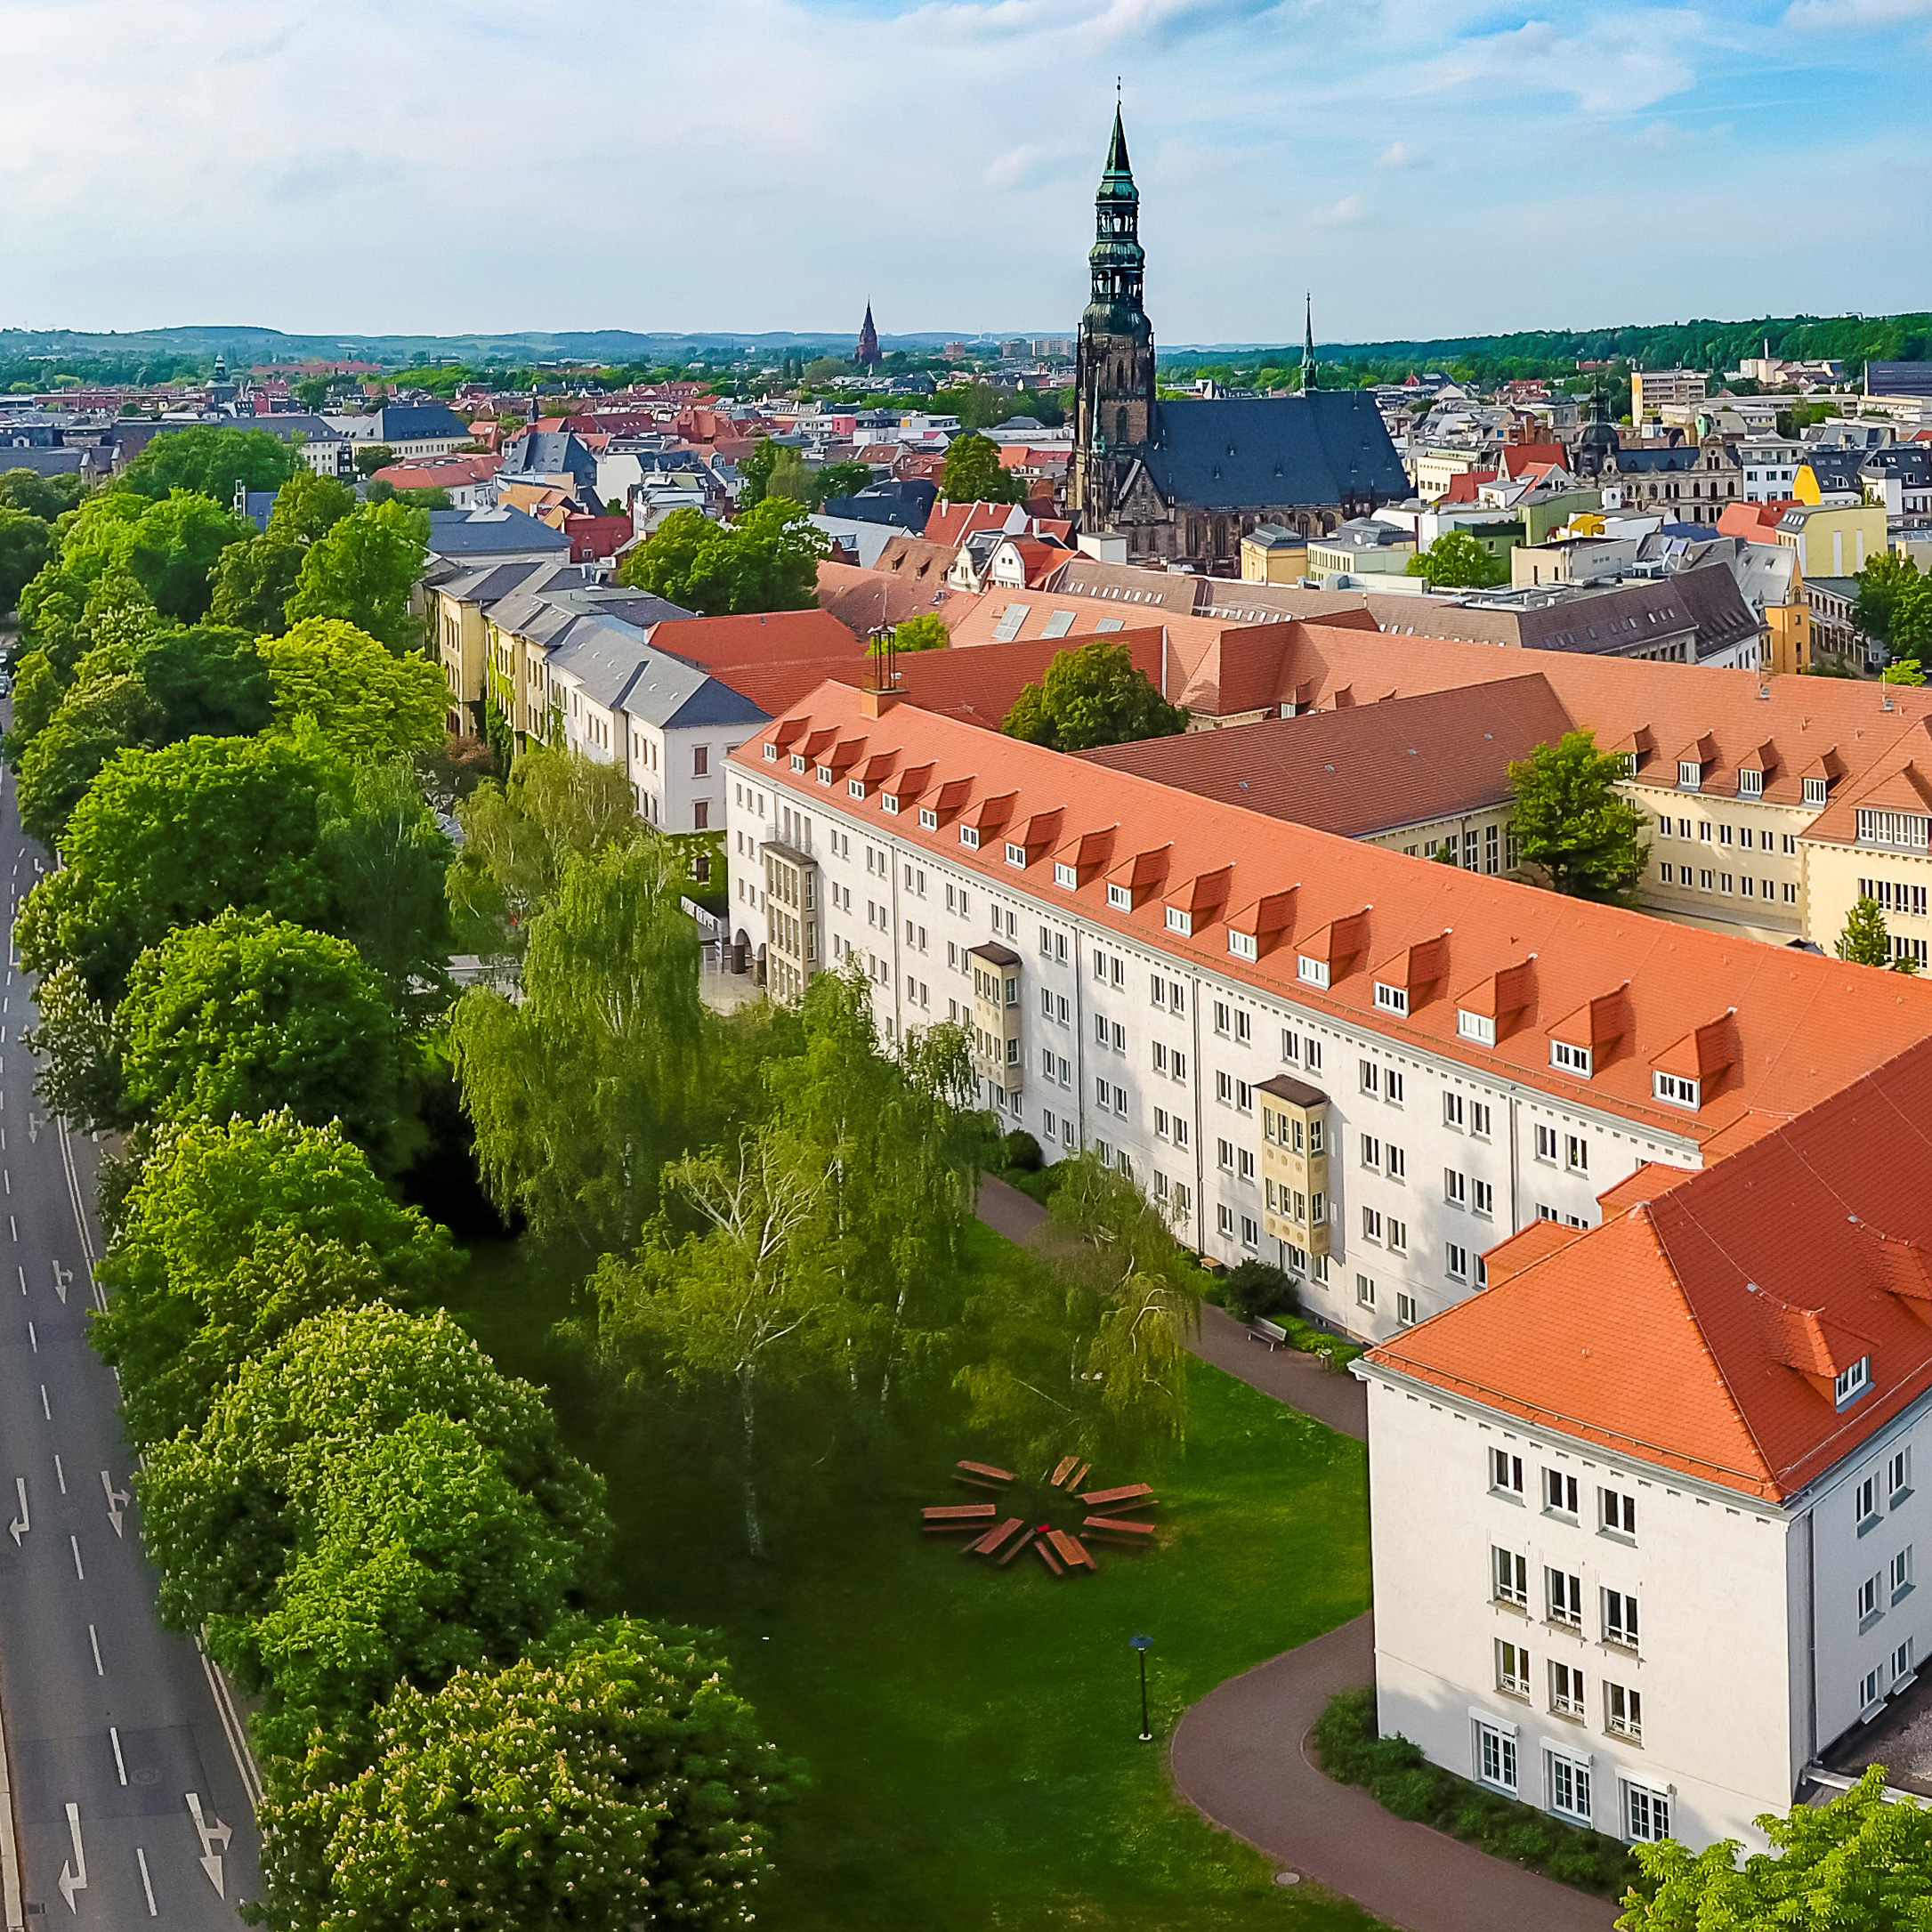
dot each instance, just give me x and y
(869, 356)
(1114, 406)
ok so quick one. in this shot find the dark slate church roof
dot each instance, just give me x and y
(1248, 452)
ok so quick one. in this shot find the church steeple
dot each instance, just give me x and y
(868, 355)
(1307, 348)
(1117, 260)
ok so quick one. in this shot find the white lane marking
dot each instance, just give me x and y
(120, 1763)
(61, 1277)
(141, 1858)
(231, 1728)
(212, 1833)
(33, 1339)
(14, 1227)
(22, 1523)
(118, 1502)
(94, 1639)
(62, 1473)
(73, 1543)
(74, 1877)
(43, 1408)
(23, 1280)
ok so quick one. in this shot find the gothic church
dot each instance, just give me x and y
(1183, 481)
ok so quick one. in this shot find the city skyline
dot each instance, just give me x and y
(1427, 172)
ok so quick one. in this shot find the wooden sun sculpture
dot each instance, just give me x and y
(1000, 1538)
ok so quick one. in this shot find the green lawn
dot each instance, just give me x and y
(969, 1735)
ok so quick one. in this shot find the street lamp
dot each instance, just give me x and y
(1142, 1646)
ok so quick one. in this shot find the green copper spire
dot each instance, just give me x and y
(1117, 160)
(1307, 348)
(1116, 258)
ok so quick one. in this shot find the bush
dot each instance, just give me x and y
(1402, 1779)
(1255, 1288)
(1020, 1149)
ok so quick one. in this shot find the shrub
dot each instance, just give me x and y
(1255, 1288)
(1020, 1149)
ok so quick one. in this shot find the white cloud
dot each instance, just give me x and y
(1345, 213)
(1399, 154)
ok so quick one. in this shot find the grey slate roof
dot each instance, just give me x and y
(1246, 451)
(550, 452)
(481, 533)
(414, 422)
(494, 582)
(43, 462)
(1657, 462)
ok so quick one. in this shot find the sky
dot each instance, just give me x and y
(1423, 167)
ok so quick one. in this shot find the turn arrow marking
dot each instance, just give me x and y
(212, 1833)
(22, 1524)
(117, 1501)
(74, 1875)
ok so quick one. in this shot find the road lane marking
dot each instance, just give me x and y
(212, 1833)
(231, 1728)
(61, 1474)
(141, 1858)
(61, 1277)
(22, 1523)
(117, 1501)
(73, 1543)
(120, 1763)
(14, 1227)
(43, 1408)
(73, 1876)
(33, 1339)
(94, 1639)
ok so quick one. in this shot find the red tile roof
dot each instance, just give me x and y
(979, 686)
(723, 643)
(862, 599)
(1803, 1027)
(1700, 1329)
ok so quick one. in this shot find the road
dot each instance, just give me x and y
(130, 1781)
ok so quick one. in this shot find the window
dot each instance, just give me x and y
(1482, 1198)
(1512, 1669)
(1617, 1511)
(1392, 998)
(1372, 1223)
(1455, 1187)
(1395, 1162)
(1623, 1712)
(1869, 1596)
(1564, 1592)
(1559, 1493)
(1867, 1498)
(1899, 1578)
(1496, 1756)
(1392, 1087)
(1690, 774)
(1225, 1154)
(1372, 1151)
(1868, 1690)
(1479, 1118)
(1456, 1261)
(1898, 1477)
(1901, 1663)
(1850, 1385)
(1506, 1472)
(1316, 972)
(1566, 1690)
(1476, 1026)
(1576, 1153)
(1674, 1089)
(1619, 1618)
(1224, 1216)
(1250, 1232)
(1371, 1076)
(1452, 1112)
(1398, 1237)
(1364, 1291)
(1569, 1059)
(1545, 1143)
(1646, 1814)
(1405, 1309)
(1814, 791)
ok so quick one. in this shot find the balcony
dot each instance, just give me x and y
(997, 1054)
(1294, 1162)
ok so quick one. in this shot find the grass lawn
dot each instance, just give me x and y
(969, 1735)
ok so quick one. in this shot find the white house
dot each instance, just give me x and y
(1645, 1514)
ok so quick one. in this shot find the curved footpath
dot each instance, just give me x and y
(1242, 1755)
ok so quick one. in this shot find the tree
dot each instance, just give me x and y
(250, 1014)
(211, 460)
(1889, 587)
(767, 560)
(1457, 561)
(609, 1778)
(168, 547)
(972, 473)
(373, 457)
(1095, 695)
(925, 632)
(1569, 818)
(754, 473)
(367, 702)
(844, 479)
(308, 506)
(253, 581)
(583, 1089)
(26, 543)
(365, 571)
(1856, 1860)
(46, 498)
(1866, 941)
(234, 1232)
(793, 478)
(1903, 671)
(170, 837)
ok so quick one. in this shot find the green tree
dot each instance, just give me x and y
(1455, 561)
(253, 582)
(925, 632)
(1569, 819)
(580, 1091)
(373, 457)
(26, 543)
(211, 460)
(767, 560)
(1888, 587)
(793, 478)
(609, 1778)
(249, 1013)
(308, 506)
(972, 475)
(367, 702)
(234, 1232)
(170, 837)
(1866, 941)
(168, 547)
(1903, 671)
(754, 473)
(312, 391)
(1856, 1860)
(1095, 695)
(46, 498)
(844, 479)
(78, 1052)
(365, 571)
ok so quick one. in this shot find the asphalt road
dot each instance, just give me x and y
(130, 1784)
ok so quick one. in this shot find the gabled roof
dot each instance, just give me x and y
(418, 422)
(1699, 1329)
(1259, 451)
(980, 686)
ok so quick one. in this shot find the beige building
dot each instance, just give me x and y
(1833, 539)
(1271, 554)
(1653, 391)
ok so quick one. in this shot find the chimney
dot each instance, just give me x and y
(876, 703)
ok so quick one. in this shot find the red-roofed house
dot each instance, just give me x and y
(1645, 1513)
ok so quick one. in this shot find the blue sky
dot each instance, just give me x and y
(1426, 167)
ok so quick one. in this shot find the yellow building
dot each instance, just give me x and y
(1271, 554)
(1788, 629)
(1831, 539)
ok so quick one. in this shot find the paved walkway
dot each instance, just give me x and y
(1242, 1757)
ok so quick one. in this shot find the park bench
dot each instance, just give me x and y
(984, 1545)
(1262, 1329)
(982, 1475)
(1063, 1469)
(1130, 1496)
(1138, 1534)
(1013, 1548)
(951, 1516)
(1044, 1545)
(1071, 1550)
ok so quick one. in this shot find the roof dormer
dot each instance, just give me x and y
(979, 823)
(1494, 1008)
(1257, 929)
(1196, 903)
(946, 803)
(896, 794)
(1080, 860)
(1581, 1042)
(1131, 885)
(1688, 1071)
(1033, 839)
(1836, 1362)
(1326, 957)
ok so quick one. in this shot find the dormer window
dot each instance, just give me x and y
(1316, 972)
(1690, 774)
(1244, 946)
(855, 787)
(1903, 828)
(1814, 788)
(1629, 763)
(1120, 897)
(1064, 875)
(1675, 1089)
(825, 775)
(1476, 1026)
(1751, 784)
(1392, 999)
(890, 805)
(771, 754)
(969, 836)
(1569, 1059)
(798, 761)
(1853, 1382)
(1015, 855)
(928, 819)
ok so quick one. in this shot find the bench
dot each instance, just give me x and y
(952, 1517)
(1262, 1329)
(1045, 1546)
(1013, 1548)
(1130, 1496)
(981, 1474)
(986, 1546)
(1139, 1533)
(1071, 1550)
(1063, 1469)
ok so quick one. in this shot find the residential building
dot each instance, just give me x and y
(1690, 483)
(1650, 390)
(1767, 467)
(1486, 1055)
(496, 536)
(1645, 1514)
(1364, 546)
(1832, 539)
(459, 606)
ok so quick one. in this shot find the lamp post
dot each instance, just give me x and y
(1142, 1646)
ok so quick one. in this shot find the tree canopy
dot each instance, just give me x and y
(1455, 561)
(1893, 604)
(26, 543)
(364, 570)
(972, 475)
(253, 580)
(1095, 695)
(767, 560)
(1866, 942)
(367, 702)
(169, 546)
(1570, 820)
(210, 459)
